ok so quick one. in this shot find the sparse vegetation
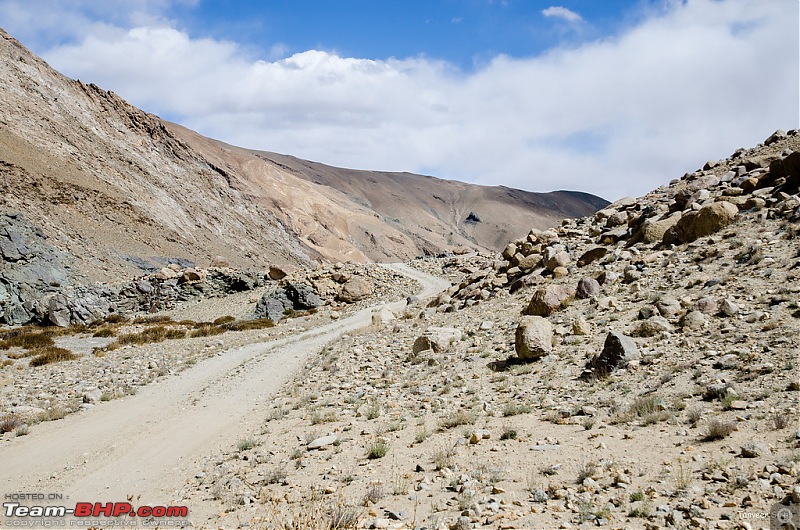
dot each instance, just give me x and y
(456, 419)
(51, 355)
(377, 448)
(718, 429)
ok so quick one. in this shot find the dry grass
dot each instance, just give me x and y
(50, 355)
(314, 513)
(9, 424)
(28, 340)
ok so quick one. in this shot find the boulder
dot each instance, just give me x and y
(653, 230)
(559, 259)
(533, 338)
(587, 288)
(548, 300)
(303, 296)
(436, 339)
(618, 351)
(192, 275)
(591, 255)
(652, 327)
(279, 272)
(354, 289)
(706, 221)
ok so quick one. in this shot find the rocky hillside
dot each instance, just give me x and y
(123, 191)
(632, 369)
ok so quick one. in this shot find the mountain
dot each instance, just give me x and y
(123, 192)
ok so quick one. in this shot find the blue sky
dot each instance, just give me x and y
(607, 96)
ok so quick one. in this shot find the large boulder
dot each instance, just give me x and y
(653, 229)
(706, 221)
(354, 289)
(618, 351)
(548, 300)
(533, 338)
(436, 339)
(303, 296)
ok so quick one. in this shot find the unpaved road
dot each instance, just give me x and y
(149, 444)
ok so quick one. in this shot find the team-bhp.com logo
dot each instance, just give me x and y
(93, 511)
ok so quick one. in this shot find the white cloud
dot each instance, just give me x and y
(614, 117)
(562, 12)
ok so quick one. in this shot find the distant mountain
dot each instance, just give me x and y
(122, 190)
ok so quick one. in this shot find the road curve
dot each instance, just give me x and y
(149, 444)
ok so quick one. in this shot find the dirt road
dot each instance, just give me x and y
(149, 444)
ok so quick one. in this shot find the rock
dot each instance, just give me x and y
(755, 450)
(668, 307)
(192, 275)
(509, 251)
(355, 289)
(533, 338)
(559, 259)
(652, 327)
(618, 350)
(166, 274)
(279, 272)
(581, 327)
(303, 296)
(706, 221)
(437, 339)
(220, 262)
(592, 255)
(382, 316)
(706, 305)
(548, 300)
(587, 288)
(322, 442)
(728, 307)
(653, 230)
(58, 312)
(693, 320)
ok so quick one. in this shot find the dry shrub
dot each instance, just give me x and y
(50, 355)
(9, 423)
(719, 429)
(205, 329)
(224, 320)
(104, 332)
(314, 513)
(28, 340)
(153, 319)
(151, 335)
(246, 325)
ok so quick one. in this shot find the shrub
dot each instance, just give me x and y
(153, 319)
(719, 429)
(513, 409)
(223, 320)
(9, 423)
(377, 449)
(246, 443)
(116, 319)
(455, 419)
(52, 355)
(207, 330)
(28, 341)
(104, 332)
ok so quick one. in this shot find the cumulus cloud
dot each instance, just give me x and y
(563, 13)
(615, 117)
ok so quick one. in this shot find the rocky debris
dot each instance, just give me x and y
(533, 338)
(279, 272)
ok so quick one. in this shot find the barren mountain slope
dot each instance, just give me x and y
(114, 186)
(443, 212)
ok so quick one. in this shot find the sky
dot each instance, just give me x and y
(611, 97)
